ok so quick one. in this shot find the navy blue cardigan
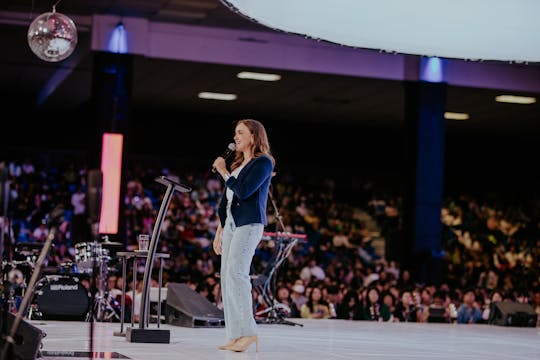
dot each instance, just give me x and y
(250, 190)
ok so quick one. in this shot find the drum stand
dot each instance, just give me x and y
(101, 308)
(103, 311)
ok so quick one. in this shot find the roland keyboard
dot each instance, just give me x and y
(284, 236)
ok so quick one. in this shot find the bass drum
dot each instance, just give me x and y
(61, 298)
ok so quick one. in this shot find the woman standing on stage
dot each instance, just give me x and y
(242, 215)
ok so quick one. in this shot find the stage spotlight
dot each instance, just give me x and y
(118, 41)
(52, 36)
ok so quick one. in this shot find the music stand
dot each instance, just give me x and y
(284, 244)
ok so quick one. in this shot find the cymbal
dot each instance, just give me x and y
(111, 243)
(29, 248)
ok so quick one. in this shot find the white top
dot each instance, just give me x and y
(229, 193)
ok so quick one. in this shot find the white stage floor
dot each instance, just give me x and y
(318, 339)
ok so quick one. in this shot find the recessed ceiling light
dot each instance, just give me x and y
(514, 99)
(258, 76)
(456, 116)
(217, 96)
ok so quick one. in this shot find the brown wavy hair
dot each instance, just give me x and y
(260, 146)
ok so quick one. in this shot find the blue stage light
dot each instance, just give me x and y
(118, 41)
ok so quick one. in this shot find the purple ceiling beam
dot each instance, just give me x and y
(502, 76)
(280, 51)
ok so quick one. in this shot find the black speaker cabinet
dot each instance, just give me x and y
(93, 194)
(508, 313)
(187, 308)
(27, 340)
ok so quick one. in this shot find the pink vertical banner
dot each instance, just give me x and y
(111, 168)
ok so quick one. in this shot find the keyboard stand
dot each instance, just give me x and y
(284, 245)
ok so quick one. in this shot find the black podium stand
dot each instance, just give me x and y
(125, 256)
(143, 334)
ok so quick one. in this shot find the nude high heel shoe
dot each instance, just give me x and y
(228, 345)
(243, 343)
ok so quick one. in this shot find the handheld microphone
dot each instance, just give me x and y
(230, 149)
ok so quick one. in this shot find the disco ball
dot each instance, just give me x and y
(52, 36)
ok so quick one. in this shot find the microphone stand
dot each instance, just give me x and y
(281, 253)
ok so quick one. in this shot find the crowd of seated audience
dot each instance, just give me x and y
(491, 250)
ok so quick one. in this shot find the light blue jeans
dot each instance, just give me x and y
(238, 247)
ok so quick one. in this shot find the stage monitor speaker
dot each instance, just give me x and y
(437, 315)
(508, 313)
(187, 308)
(27, 341)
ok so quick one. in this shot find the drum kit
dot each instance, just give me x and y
(74, 290)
